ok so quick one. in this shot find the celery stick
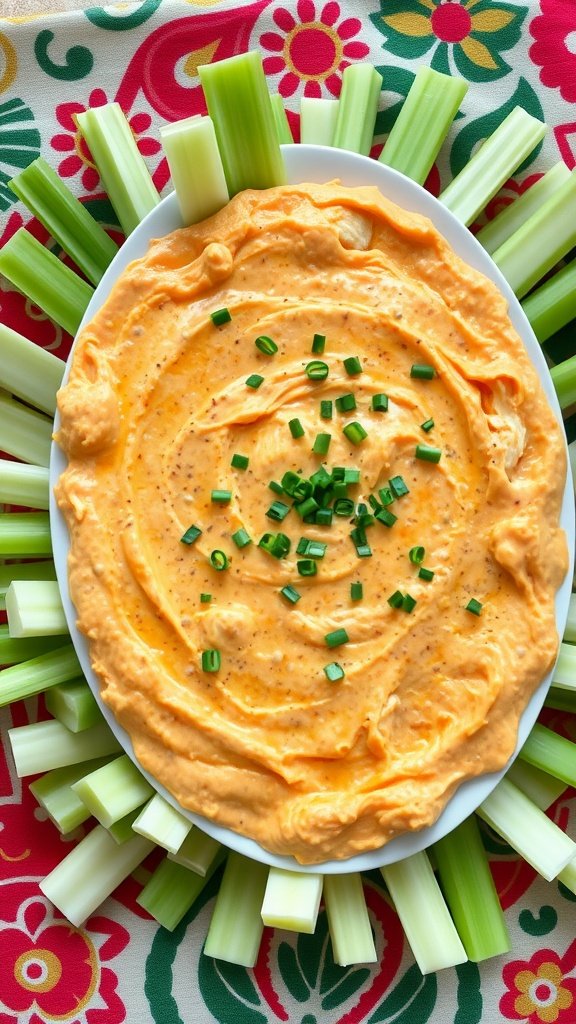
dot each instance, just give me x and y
(561, 699)
(551, 753)
(292, 900)
(26, 434)
(54, 793)
(121, 830)
(527, 829)
(66, 219)
(24, 485)
(171, 891)
(13, 651)
(122, 168)
(564, 380)
(196, 168)
(283, 130)
(483, 175)
(540, 787)
(564, 675)
(44, 570)
(423, 123)
(28, 371)
(236, 927)
(423, 913)
(38, 674)
(512, 217)
(348, 921)
(568, 876)
(114, 790)
(318, 120)
(45, 279)
(537, 246)
(24, 534)
(357, 108)
(197, 851)
(551, 306)
(74, 705)
(91, 872)
(163, 824)
(45, 745)
(34, 608)
(470, 892)
(239, 104)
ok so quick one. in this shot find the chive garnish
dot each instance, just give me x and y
(205, 598)
(395, 600)
(318, 344)
(324, 517)
(316, 370)
(474, 606)
(291, 594)
(316, 549)
(427, 425)
(241, 538)
(326, 409)
(383, 515)
(416, 554)
(422, 371)
(346, 403)
(356, 591)
(296, 428)
(425, 574)
(219, 560)
(408, 603)
(336, 638)
(278, 511)
(385, 495)
(355, 432)
(307, 567)
(353, 366)
(398, 486)
(344, 507)
(239, 461)
(211, 660)
(320, 478)
(307, 507)
(290, 482)
(276, 544)
(427, 453)
(321, 444)
(363, 551)
(351, 476)
(220, 497)
(334, 672)
(254, 381)
(220, 316)
(380, 402)
(266, 345)
(276, 487)
(191, 535)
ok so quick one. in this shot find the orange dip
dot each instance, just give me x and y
(156, 406)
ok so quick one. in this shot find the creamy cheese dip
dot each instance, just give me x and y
(155, 408)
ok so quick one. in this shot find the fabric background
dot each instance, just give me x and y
(145, 55)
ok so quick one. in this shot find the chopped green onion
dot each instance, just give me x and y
(221, 497)
(29, 372)
(336, 638)
(307, 567)
(356, 591)
(296, 428)
(380, 402)
(427, 453)
(254, 381)
(276, 544)
(195, 166)
(346, 403)
(211, 660)
(321, 444)
(363, 550)
(416, 554)
(221, 316)
(422, 371)
(474, 606)
(241, 538)
(276, 487)
(348, 920)
(205, 598)
(219, 560)
(318, 344)
(385, 495)
(344, 507)
(357, 108)
(398, 486)
(318, 120)
(425, 574)
(236, 927)
(334, 672)
(383, 515)
(351, 476)
(316, 370)
(307, 507)
(239, 461)
(355, 432)
(353, 366)
(266, 345)
(291, 594)
(396, 599)
(326, 409)
(427, 425)
(316, 549)
(324, 517)
(408, 603)
(191, 535)
(292, 900)
(278, 511)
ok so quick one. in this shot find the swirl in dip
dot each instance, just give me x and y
(156, 406)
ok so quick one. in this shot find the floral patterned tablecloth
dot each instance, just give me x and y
(121, 965)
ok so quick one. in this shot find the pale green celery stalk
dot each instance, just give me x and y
(114, 790)
(541, 242)
(318, 120)
(24, 534)
(551, 306)
(13, 651)
(570, 631)
(122, 168)
(196, 167)
(280, 120)
(74, 705)
(564, 380)
(44, 570)
(357, 108)
(551, 753)
(470, 892)
(42, 746)
(527, 829)
(348, 921)
(163, 824)
(561, 700)
(197, 852)
(66, 219)
(236, 927)
(54, 793)
(28, 371)
(34, 608)
(171, 891)
(239, 104)
(292, 900)
(121, 830)
(482, 177)
(564, 675)
(24, 485)
(572, 458)
(44, 279)
(36, 675)
(423, 123)
(423, 913)
(540, 787)
(26, 434)
(568, 876)
(91, 872)
(513, 216)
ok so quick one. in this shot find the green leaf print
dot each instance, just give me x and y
(19, 145)
(468, 994)
(310, 950)
(79, 59)
(103, 19)
(413, 999)
(229, 992)
(541, 923)
(291, 973)
(349, 983)
(396, 81)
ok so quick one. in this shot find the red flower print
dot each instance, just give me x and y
(79, 159)
(312, 51)
(539, 991)
(555, 48)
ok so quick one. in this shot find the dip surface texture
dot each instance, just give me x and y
(155, 408)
